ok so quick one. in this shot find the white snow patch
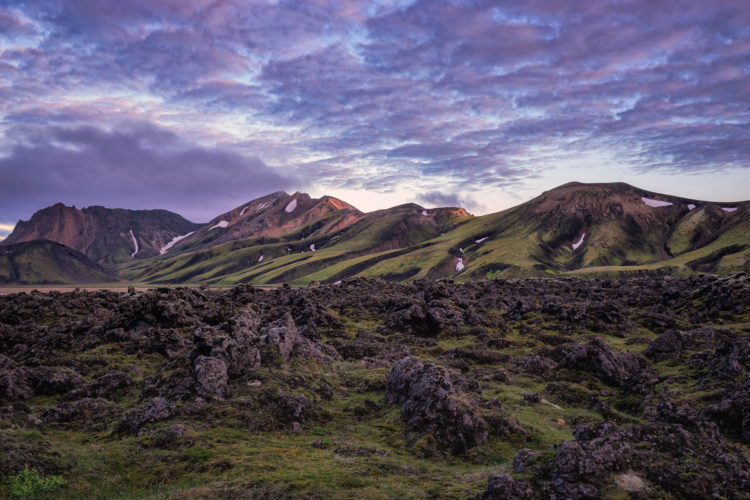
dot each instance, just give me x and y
(690, 206)
(291, 206)
(424, 212)
(480, 240)
(135, 244)
(729, 209)
(260, 259)
(174, 241)
(655, 203)
(338, 282)
(222, 224)
(461, 250)
(262, 206)
(459, 264)
(579, 242)
(312, 247)
(244, 210)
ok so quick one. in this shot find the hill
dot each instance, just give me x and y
(107, 236)
(42, 262)
(585, 229)
(576, 228)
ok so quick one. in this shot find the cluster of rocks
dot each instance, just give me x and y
(235, 351)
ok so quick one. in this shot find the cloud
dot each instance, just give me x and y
(372, 95)
(136, 165)
(440, 199)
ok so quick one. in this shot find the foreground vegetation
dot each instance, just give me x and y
(346, 391)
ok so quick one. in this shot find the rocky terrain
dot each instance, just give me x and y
(528, 388)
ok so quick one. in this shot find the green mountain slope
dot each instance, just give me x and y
(588, 229)
(42, 262)
(291, 258)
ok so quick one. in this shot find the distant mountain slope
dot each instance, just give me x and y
(580, 226)
(42, 262)
(589, 229)
(296, 216)
(107, 236)
(301, 256)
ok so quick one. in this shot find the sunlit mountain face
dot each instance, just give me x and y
(197, 107)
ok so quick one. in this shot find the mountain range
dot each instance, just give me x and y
(583, 229)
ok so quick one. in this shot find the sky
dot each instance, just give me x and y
(200, 106)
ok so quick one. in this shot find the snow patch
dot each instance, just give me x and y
(174, 241)
(312, 247)
(337, 282)
(222, 224)
(480, 240)
(244, 210)
(729, 209)
(424, 212)
(135, 244)
(262, 206)
(260, 259)
(655, 203)
(460, 264)
(690, 206)
(461, 250)
(579, 242)
(291, 206)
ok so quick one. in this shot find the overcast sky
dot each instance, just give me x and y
(198, 106)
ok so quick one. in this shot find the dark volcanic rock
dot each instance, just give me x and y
(433, 403)
(15, 384)
(733, 412)
(211, 377)
(89, 413)
(503, 487)
(671, 344)
(628, 370)
(676, 451)
(156, 410)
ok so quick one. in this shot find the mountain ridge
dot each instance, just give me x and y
(575, 228)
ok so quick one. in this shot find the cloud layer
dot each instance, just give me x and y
(195, 105)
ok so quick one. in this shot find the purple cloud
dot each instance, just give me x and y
(357, 94)
(137, 165)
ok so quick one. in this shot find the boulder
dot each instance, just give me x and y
(156, 410)
(432, 402)
(211, 377)
(671, 344)
(503, 487)
(628, 370)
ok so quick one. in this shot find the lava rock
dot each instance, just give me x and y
(503, 487)
(432, 402)
(628, 370)
(211, 377)
(156, 410)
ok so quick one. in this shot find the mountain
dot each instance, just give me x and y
(43, 262)
(107, 236)
(295, 216)
(305, 252)
(587, 229)
(590, 229)
(582, 229)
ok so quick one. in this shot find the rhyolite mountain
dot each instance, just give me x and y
(107, 236)
(275, 215)
(593, 229)
(585, 229)
(47, 262)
